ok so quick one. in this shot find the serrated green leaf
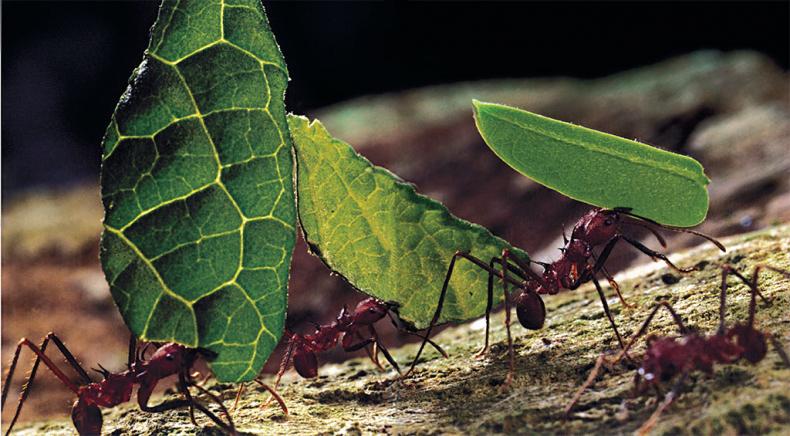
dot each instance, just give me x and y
(595, 167)
(372, 228)
(197, 187)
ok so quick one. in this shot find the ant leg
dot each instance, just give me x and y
(779, 349)
(511, 351)
(668, 400)
(643, 329)
(437, 313)
(383, 349)
(616, 287)
(275, 395)
(590, 380)
(443, 294)
(489, 307)
(656, 255)
(287, 358)
(183, 385)
(607, 311)
(726, 270)
(40, 356)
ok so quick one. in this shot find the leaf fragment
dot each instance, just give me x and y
(595, 167)
(372, 228)
(197, 187)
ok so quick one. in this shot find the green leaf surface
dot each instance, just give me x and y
(372, 228)
(197, 186)
(595, 167)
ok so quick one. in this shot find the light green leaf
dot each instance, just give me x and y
(384, 238)
(595, 167)
(197, 187)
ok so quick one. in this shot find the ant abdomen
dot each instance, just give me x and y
(530, 310)
(87, 418)
(306, 363)
(752, 341)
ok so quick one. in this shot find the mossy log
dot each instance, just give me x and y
(462, 394)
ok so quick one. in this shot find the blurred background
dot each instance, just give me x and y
(394, 80)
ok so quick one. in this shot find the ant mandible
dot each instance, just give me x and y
(577, 265)
(116, 388)
(354, 330)
(670, 358)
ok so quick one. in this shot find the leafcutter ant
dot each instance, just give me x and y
(116, 388)
(577, 265)
(353, 330)
(673, 358)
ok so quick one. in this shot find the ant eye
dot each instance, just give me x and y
(169, 356)
(608, 222)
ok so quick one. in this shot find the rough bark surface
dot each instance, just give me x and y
(462, 394)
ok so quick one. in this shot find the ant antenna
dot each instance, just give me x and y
(627, 211)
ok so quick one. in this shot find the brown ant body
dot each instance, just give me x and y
(669, 358)
(577, 265)
(116, 388)
(353, 330)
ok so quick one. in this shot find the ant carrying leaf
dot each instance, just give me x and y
(578, 265)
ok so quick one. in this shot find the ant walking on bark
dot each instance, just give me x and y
(353, 330)
(669, 358)
(116, 388)
(577, 265)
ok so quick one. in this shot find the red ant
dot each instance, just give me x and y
(670, 358)
(116, 388)
(599, 227)
(348, 329)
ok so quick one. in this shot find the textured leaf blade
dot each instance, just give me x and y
(595, 167)
(384, 238)
(197, 185)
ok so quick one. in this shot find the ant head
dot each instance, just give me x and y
(369, 311)
(170, 358)
(598, 226)
(751, 340)
(530, 310)
(306, 363)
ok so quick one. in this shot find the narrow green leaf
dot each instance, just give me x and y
(388, 241)
(595, 167)
(197, 187)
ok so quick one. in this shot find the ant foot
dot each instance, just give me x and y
(507, 385)
(482, 354)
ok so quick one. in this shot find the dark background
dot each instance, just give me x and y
(66, 63)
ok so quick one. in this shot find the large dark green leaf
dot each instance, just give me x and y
(595, 167)
(197, 186)
(384, 238)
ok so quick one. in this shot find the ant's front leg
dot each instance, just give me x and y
(655, 254)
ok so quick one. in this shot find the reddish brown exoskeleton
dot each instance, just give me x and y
(673, 358)
(116, 388)
(353, 330)
(578, 265)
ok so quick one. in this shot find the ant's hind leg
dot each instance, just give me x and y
(587, 383)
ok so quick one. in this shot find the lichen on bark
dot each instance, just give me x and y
(462, 394)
